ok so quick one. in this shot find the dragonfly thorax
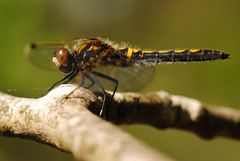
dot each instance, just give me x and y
(63, 60)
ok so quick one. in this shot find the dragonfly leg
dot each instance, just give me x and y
(80, 84)
(92, 82)
(93, 78)
(110, 79)
(64, 80)
(114, 91)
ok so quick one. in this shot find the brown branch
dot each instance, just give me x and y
(162, 110)
(67, 125)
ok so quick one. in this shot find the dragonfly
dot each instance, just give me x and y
(123, 66)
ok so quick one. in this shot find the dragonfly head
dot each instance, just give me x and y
(63, 60)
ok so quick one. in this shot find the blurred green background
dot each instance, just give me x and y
(163, 24)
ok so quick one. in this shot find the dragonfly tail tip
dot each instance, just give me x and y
(225, 55)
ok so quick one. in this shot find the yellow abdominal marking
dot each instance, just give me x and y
(129, 53)
(135, 50)
(179, 50)
(146, 52)
(194, 50)
(164, 51)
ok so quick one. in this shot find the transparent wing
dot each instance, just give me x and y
(41, 53)
(132, 78)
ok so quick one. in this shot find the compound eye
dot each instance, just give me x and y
(62, 57)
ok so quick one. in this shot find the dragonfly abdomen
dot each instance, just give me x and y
(185, 55)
